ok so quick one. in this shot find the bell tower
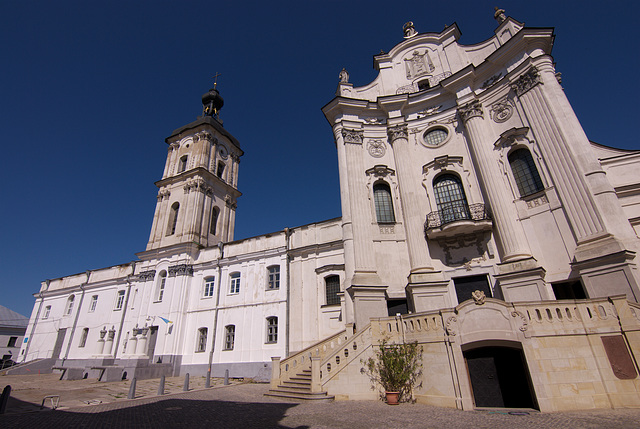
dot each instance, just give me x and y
(198, 191)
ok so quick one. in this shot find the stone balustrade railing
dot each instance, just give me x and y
(343, 356)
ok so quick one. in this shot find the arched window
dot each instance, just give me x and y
(450, 199)
(332, 287)
(162, 281)
(525, 172)
(229, 336)
(273, 278)
(220, 169)
(201, 346)
(83, 337)
(272, 329)
(47, 311)
(173, 218)
(215, 212)
(383, 203)
(182, 164)
(69, 308)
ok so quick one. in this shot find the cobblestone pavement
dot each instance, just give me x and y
(244, 406)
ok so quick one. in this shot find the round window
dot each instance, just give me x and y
(435, 136)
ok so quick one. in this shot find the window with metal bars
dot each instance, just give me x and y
(332, 287)
(383, 203)
(229, 336)
(202, 340)
(274, 277)
(525, 172)
(450, 199)
(272, 329)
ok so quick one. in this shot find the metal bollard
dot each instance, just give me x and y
(132, 389)
(186, 383)
(161, 387)
(226, 377)
(4, 398)
(207, 383)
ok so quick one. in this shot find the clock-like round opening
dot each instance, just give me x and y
(435, 136)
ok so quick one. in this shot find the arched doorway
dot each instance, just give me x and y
(500, 377)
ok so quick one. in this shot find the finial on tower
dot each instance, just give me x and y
(499, 15)
(212, 102)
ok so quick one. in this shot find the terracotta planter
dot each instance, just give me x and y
(392, 397)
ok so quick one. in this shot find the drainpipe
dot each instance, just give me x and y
(125, 308)
(75, 320)
(287, 235)
(215, 315)
(35, 322)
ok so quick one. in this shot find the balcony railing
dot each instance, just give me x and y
(454, 212)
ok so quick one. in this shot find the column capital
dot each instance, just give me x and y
(470, 110)
(352, 136)
(397, 132)
(526, 81)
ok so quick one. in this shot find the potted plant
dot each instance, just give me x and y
(396, 367)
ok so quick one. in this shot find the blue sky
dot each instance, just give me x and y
(90, 90)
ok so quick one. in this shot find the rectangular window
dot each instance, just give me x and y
(235, 283)
(161, 285)
(229, 337)
(274, 277)
(47, 311)
(272, 330)
(202, 340)
(209, 284)
(83, 338)
(332, 287)
(12, 341)
(94, 302)
(120, 300)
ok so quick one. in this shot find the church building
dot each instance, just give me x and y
(477, 219)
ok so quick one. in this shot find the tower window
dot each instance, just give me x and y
(215, 212)
(220, 171)
(274, 277)
(182, 164)
(173, 218)
(383, 203)
(83, 337)
(272, 329)
(202, 340)
(235, 283)
(525, 172)
(450, 199)
(332, 287)
(229, 336)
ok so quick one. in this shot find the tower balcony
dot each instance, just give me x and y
(458, 219)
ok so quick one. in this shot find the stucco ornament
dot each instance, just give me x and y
(527, 81)
(397, 132)
(376, 148)
(344, 76)
(418, 64)
(501, 111)
(352, 136)
(478, 297)
(470, 110)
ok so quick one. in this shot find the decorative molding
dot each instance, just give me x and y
(501, 111)
(387, 229)
(407, 89)
(478, 297)
(147, 275)
(441, 162)
(163, 195)
(223, 152)
(203, 135)
(197, 184)
(430, 111)
(526, 81)
(374, 121)
(539, 201)
(173, 146)
(180, 270)
(326, 268)
(380, 171)
(493, 79)
(511, 137)
(470, 110)
(352, 136)
(376, 148)
(397, 132)
(449, 326)
(525, 324)
(230, 202)
(466, 241)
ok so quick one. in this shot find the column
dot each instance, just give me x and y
(509, 229)
(419, 257)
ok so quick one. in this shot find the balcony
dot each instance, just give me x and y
(458, 218)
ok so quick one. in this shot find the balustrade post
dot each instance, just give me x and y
(275, 372)
(316, 385)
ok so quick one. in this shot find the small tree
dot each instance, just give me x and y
(396, 367)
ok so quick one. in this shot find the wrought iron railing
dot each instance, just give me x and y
(456, 211)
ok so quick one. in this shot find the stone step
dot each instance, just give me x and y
(320, 397)
(295, 389)
(296, 383)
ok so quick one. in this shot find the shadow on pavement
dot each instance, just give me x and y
(170, 413)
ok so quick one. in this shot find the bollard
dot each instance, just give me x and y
(132, 389)
(186, 383)
(207, 383)
(226, 377)
(4, 398)
(161, 387)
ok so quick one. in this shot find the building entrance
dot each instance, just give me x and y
(500, 378)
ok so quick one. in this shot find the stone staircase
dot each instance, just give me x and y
(298, 387)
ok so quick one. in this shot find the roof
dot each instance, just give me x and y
(9, 318)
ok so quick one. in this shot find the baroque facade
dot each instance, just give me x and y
(477, 219)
